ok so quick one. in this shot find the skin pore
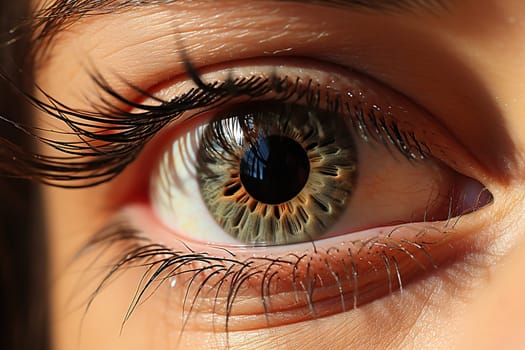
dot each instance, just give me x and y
(459, 70)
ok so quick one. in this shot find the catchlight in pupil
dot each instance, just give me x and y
(275, 169)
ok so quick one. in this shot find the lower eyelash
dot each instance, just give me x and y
(370, 269)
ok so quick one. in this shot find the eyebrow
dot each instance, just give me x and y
(51, 19)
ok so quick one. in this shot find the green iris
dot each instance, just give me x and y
(276, 173)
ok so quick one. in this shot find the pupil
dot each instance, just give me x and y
(275, 169)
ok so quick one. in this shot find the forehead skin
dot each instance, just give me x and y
(479, 43)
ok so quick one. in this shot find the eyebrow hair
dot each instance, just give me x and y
(50, 20)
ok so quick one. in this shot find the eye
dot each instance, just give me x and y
(308, 163)
(370, 198)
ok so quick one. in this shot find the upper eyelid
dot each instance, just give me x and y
(157, 62)
(371, 89)
(442, 145)
(117, 150)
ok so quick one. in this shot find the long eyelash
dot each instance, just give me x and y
(162, 264)
(109, 138)
(103, 141)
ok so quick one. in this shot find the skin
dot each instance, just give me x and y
(464, 66)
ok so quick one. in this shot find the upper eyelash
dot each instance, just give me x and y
(109, 137)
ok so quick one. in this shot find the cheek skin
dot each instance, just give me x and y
(496, 316)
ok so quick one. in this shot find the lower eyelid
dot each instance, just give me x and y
(294, 283)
